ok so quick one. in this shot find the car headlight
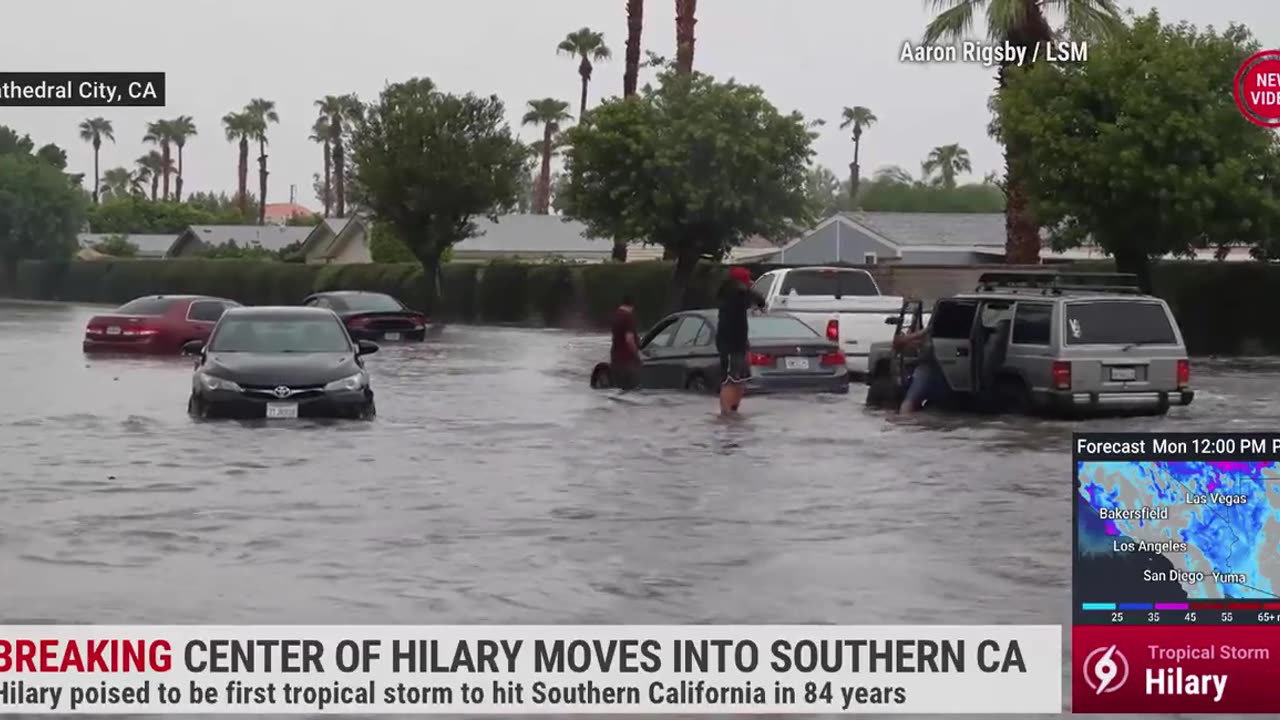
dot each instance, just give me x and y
(354, 382)
(213, 382)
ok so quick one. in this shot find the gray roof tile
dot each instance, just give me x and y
(269, 237)
(539, 234)
(149, 245)
(956, 229)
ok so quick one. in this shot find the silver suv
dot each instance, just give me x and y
(1034, 341)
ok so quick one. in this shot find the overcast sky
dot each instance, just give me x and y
(815, 56)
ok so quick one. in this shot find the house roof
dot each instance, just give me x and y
(153, 245)
(962, 231)
(322, 236)
(534, 234)
(284, 211)
(268, 237)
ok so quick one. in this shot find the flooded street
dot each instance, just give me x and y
(496, 487)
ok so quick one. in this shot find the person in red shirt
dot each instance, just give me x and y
(624, 354)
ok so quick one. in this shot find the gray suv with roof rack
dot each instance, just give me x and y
(1034, 341)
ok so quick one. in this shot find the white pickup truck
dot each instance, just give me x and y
(842, 304)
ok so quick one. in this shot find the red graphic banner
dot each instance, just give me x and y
(1174, 669)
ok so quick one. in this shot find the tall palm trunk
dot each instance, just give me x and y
(686, 18)
(164, 154)
(339, 168)
(97, 145)
(855, 170)
(155, 186)
(1022, 232)
(635, 26)
(177, 189)
(328, 177)
(544, 178)
(584, 69)
(243, 170)
(262, 181)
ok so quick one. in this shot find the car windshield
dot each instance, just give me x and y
(146, 306)
(771, 327)
(828, 283)
(371, 302)
(279, 335)
(1117, 322)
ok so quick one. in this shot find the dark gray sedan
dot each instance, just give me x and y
(786, 355)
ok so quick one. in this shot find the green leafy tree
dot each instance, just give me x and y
(823, 191)
(588, 46)
(947, 161)
(119, 182)
(387, 247)
(693, 164)
(133, 215)
(856, 119)
(94, 131)
(430, 162)
(53, 156)
(231, 250)
(40, 212)
(1141, 149)
(1024, 24)
(117, 246)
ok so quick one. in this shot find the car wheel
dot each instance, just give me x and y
(601, 379)
(370, 411)
(196, 407)
(418, 336)
(697, 383)
(1012, 396)
(883, 391)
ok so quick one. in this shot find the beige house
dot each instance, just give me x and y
(338, 241)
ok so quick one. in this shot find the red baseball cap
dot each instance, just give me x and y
(740, 274)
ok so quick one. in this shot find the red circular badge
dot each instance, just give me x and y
(1257, 88)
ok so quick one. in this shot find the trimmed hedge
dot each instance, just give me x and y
(1223, 307)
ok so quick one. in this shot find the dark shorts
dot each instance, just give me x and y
(927, 385)
(625, 376)
(734, 368)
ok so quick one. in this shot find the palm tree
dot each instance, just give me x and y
(948, 161)
(1022, 23)
(635, 27)
(120, 182)
(588, 45)
(549, 113)
(239, 128)
(160, 133)
(262, 113)
(320, 134)
(93, 131)
(153, 166)
(181, 128)
(686, 18)
(858, 119)
(338, 108)
(894, 174)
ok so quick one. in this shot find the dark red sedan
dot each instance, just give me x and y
(371, 315)
(155, 325)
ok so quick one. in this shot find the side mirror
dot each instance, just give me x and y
(193, 347)
(891, 320)
(365, 347)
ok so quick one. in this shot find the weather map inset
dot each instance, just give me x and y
(1160, 532)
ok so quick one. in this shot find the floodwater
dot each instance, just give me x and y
(496, 487)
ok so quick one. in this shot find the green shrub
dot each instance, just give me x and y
(503, 293)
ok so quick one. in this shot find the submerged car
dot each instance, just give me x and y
(786, 355)
(280, 363)
(371, 315)
(155, 324)
(1045, 341)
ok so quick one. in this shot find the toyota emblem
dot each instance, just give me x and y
(282, 392)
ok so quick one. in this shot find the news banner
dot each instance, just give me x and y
(1176, 552)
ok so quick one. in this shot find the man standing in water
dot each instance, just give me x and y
(624, 354)
(736, 300)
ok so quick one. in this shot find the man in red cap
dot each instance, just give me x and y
(736, 300)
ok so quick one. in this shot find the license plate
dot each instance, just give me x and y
(1124, 374)
(282, 411)
(391, 336)
(113, 330)
(797, 363)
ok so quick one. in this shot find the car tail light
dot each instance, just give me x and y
(139, 331)
(1061, 375)
(760, 359)
(358, 322)
(833, 358)
(1184, 373)
(833, 330)
(419, 319)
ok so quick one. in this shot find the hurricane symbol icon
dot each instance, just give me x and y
(1106, 670)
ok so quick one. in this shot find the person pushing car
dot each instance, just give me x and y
(736, 300)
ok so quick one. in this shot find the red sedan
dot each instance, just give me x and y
(155, 325)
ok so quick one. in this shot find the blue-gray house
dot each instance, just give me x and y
(869, 238)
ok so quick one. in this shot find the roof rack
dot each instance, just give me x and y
(1054, 282)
